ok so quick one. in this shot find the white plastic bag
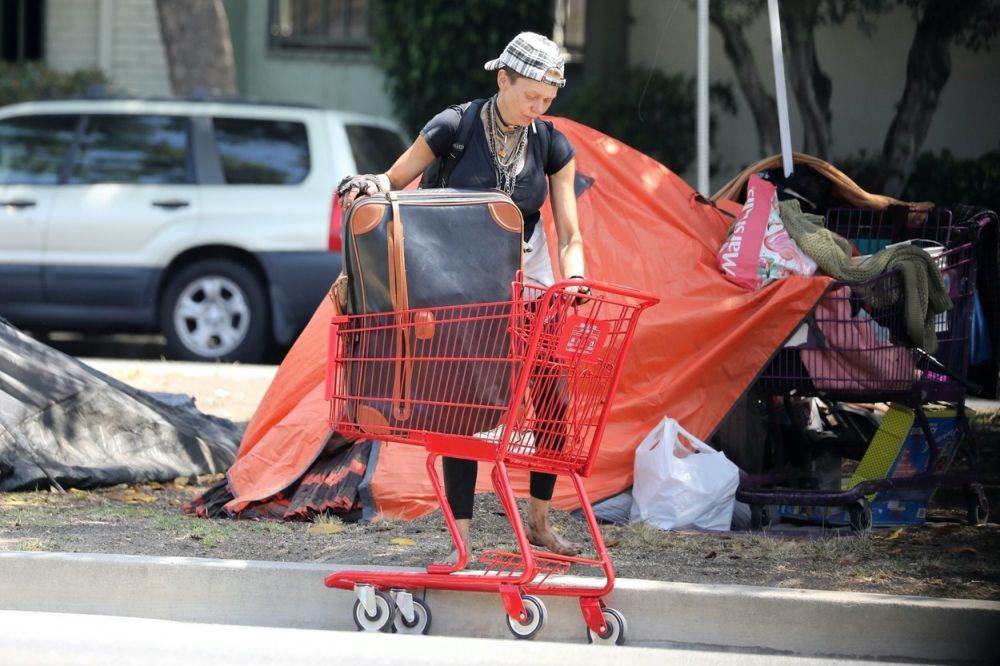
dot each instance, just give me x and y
(682, 484)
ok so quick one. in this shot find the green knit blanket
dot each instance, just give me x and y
(922, 287)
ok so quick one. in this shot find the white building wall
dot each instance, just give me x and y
(138, 61)
(120, 37)
(867, 74)
(71, 34)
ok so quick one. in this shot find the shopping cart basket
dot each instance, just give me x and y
(525, 384)
(855, 347)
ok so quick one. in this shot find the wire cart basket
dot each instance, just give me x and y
(522, 384)
(857, 346)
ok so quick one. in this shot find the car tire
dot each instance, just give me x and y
(215, 310)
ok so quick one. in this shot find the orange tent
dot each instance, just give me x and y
(694, 354)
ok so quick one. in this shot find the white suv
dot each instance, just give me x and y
(212, 222)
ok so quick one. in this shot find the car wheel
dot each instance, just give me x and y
(215, 310)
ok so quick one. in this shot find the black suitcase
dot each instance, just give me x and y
(406, 251)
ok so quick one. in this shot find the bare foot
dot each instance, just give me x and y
(452, 558)
(548, 538)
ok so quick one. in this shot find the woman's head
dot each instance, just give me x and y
(530, 74)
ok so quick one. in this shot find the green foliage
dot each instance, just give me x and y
(653, 113)
(938, 177)
(29, 81)
(978, 21)
(433, 50)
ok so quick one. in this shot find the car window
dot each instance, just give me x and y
(147, 150)
(375, 148)
(262, 152)
(32, 148)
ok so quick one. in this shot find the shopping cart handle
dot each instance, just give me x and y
(607, 287)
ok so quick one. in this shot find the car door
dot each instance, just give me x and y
(129, 200)
(32, 153)
(272, 197)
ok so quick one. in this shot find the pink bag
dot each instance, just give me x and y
(758, 249)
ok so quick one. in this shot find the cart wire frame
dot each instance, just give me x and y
(525, 383)
(858, 350)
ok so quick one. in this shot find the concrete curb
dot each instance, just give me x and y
(276, 594)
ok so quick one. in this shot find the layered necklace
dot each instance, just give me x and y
(505, 147)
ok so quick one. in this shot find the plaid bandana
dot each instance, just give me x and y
(534, 56)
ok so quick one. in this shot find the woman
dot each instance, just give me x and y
(506, 153)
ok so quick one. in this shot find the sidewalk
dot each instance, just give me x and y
(28, 639)
(799, 622)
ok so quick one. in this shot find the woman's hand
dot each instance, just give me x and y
(410, 164)
(582, 290)
(352, 187)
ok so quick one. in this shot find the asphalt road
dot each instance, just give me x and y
(44, 639)
(131, 346)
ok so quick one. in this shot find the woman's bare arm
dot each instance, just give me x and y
(567, 224)
(410, 164)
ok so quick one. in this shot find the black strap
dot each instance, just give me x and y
(438, 173)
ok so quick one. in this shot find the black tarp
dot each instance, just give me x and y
(62, 420)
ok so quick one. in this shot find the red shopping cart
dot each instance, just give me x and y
(526, 384)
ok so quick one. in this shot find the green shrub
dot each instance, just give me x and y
(433, 51)
(28, 81)
(662, 126)
(939, 177)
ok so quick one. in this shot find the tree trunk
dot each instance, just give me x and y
(198, 47)
(810, 85)
(928, 68)
(761, 102)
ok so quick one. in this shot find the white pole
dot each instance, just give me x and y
(702, 98)
(781, 93)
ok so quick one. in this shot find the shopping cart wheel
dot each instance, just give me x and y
(421, 622)
(615, 634)
(977, 506)
(861, 515)
(380, 619)
(532, 624)
(761, 516)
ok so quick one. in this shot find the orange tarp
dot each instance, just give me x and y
(694, 354)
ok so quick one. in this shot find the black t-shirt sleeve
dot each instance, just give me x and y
(561, 151)
(439, 132)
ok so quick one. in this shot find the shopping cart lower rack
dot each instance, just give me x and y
(525, 384)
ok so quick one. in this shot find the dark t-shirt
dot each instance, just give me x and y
(475, 169)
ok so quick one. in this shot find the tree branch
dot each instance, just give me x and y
(928, 68)
(198, 47)
(760, 101)
(810, 85)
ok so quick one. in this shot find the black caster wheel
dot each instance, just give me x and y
(761, 516)
(977, 506)
(616, 631)
(533, 623)
(381, 619)
(860, 514)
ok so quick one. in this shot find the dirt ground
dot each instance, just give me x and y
(944, 559)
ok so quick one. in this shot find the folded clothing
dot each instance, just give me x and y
(924, 292)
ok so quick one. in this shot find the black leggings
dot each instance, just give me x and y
(549, 397)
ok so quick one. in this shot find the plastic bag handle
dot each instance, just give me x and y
(693, 442)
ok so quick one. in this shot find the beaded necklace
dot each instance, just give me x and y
(505, 161)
